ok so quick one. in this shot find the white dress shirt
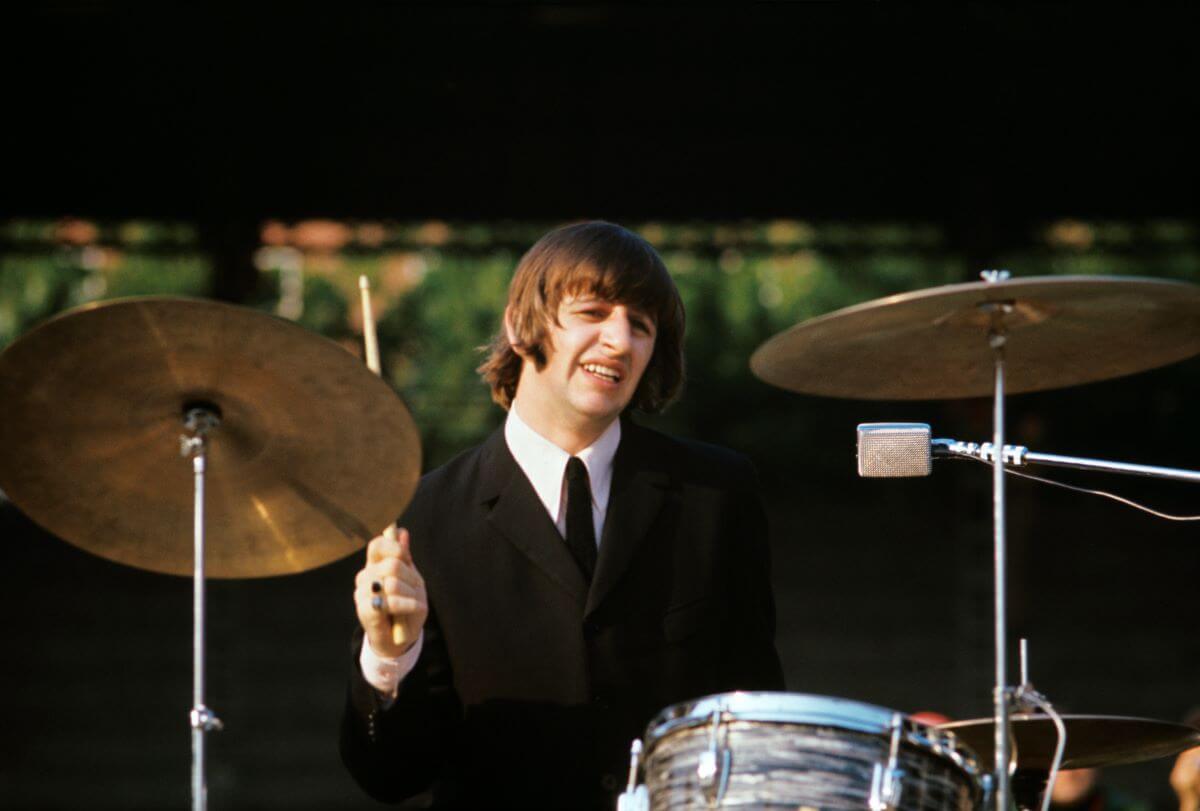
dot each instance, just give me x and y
(544, 465)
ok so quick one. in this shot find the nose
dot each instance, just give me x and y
(618, 331)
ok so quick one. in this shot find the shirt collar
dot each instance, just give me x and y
(544, 463)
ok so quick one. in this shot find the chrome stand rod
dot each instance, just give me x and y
(199, 786)
(997, 339)
(1000, 695)
(199, 421)
(1081, 463)
(1020, 456)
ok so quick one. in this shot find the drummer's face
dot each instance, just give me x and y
(596, 355)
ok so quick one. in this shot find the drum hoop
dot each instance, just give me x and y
(811, 710)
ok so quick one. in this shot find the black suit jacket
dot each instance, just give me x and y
(531, 686)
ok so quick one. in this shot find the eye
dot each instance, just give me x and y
(591, 309)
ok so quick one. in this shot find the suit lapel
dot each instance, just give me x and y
(519, 516)
(638, 489)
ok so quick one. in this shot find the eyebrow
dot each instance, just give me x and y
(589, 299)
(643, 317)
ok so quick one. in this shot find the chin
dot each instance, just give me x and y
(601, 412)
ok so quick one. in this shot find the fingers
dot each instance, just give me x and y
(389, 579)
(389, 593)
(391, 557)
(405, 544)
(392, 577)
(399, 606)
(395, 599)
(409, 583)
(401, 601)
(389, 568)
(381, 546)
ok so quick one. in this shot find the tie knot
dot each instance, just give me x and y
(576, 470)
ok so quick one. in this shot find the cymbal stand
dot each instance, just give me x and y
(997, 338)
(199, 419)
(1027, 699)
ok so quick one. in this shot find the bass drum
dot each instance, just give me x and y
(784, 750)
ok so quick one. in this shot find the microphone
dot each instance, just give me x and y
(903, 449)
(894, 450)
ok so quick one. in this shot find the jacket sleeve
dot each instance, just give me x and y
(398, 750)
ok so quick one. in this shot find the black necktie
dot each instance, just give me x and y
(581, 532)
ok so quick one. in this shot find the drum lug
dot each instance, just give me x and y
(887, 781)
(886, 786)
(987, 782)
(714, 765)
(634, 797)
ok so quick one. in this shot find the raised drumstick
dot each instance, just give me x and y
(399, 637)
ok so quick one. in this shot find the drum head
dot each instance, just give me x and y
(781, 708)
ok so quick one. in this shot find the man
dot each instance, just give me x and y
(533, 658)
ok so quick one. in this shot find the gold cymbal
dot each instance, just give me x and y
(933, 344)
(314, 454)
(1092, 740)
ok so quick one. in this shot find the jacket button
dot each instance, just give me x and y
(609, 782)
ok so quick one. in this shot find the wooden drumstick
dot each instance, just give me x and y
(399, 637)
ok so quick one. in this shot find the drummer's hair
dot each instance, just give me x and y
(594, 258)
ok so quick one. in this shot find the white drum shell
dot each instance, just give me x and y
(795, 751)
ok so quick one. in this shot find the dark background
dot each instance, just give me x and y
(985, 119)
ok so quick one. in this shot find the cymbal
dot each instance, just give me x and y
(933, 344)
(1092, 740)
(314, 454)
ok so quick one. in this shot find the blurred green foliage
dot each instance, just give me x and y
(440, 289)
(50, 266)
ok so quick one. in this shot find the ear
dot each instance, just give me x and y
(511, 334)
(508, 325)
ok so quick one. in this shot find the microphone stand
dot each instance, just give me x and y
(1019, 456)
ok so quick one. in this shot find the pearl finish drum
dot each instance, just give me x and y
(785, 750)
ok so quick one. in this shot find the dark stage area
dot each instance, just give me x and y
(989, 124)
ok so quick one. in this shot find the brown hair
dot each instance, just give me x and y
(601, 259)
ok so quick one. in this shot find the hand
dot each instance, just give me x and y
(402, 589)
(1185, 779)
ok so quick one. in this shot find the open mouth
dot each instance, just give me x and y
(602, 372)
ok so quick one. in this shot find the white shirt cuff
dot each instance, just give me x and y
(384, 673)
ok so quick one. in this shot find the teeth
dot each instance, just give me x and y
(604, 372)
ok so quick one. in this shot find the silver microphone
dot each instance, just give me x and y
(899, 449)
(894, 449)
